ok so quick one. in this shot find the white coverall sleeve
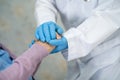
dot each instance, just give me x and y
(45, 11)
(94, 30)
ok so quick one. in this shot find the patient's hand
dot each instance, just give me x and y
(46, 45)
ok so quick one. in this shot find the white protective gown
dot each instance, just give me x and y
(93, 35)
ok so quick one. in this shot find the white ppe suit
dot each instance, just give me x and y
(93, 35)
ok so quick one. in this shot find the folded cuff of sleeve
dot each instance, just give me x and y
(88, 35)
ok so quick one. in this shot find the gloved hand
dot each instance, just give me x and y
(60, 44)
(47, 31)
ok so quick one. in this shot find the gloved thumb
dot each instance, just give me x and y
(36, 34)
(55, 42)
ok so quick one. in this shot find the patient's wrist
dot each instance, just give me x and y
(45, 45)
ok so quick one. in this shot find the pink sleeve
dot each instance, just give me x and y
(25, 65)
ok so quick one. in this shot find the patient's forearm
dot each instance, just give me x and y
(26, 64)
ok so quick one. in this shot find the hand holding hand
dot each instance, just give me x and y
(60, 44)
(47, 31)
(44, 44)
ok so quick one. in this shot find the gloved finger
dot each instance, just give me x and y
(56, 42)
(32, 42)
(37, 34)
(46, 32)
(41, 35)
(59, 29)
(52, 31)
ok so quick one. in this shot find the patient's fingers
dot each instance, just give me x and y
(58, 36)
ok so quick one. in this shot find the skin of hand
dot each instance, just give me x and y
(46, 45)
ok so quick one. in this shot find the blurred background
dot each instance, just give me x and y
(17, 27)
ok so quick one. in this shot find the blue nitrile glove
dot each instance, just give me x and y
(32, 42)
(60, 44)
(47, 31)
